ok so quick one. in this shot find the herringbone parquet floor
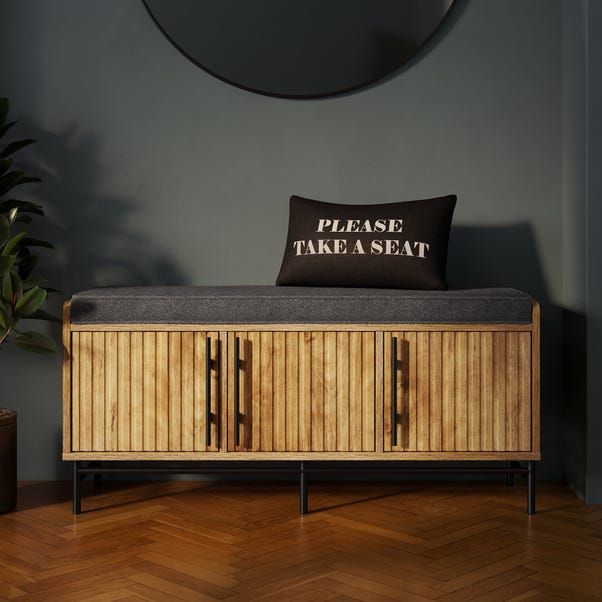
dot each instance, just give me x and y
(382, 542)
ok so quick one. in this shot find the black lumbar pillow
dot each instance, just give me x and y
(393, 245)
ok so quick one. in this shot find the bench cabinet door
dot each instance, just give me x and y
(458, 391)
(144, 391)
(302, 391)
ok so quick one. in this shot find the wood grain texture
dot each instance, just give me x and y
(294, 327)
(465, 391)
(535, 377)
(376, 541)
(306, 391)
(320, 392)
(66, 375)
(138, 391)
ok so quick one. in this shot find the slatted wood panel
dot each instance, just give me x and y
(305, 391)
(142, 391)
(460, 391)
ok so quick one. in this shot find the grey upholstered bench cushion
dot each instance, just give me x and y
(287, 305)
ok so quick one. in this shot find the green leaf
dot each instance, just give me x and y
(5, 128)
(36, 342)
(30, 301)
(35, 242)
(5, 165)
(13, 242)
(13, 147)
(6, 263)
(14, 178)
(24, 206)
(5, 315)
(4, 107)
(7, 287)
(40, 314)
(12, 287)
(12, 214)
(31, 282)
(4, 229)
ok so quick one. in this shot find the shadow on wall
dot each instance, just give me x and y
(96, 243)
(482, 256)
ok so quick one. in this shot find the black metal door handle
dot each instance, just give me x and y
(393, 391)
(208, 391)
(236, 391)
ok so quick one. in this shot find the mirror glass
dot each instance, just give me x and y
(298, 48)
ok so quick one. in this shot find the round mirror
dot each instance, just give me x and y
(298, 48)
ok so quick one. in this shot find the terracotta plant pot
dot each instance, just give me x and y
(8, 460)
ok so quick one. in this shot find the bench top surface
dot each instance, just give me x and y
(297, 305)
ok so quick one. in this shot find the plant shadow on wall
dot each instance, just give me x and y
(483, 256)
(96, 242)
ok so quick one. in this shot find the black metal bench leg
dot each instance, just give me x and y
(77, 485)
(531, 488)
(97, 476)
(302, 489)
(509, 475)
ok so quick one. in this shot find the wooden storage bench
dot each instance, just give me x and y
(203, 375)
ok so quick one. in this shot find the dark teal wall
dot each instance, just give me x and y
(154, 172)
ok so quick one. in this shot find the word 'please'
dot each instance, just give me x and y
(358, 225)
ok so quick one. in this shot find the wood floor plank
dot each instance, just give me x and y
(245, 541)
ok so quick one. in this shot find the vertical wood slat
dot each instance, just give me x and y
(524, 391)
(305, 378)
(98, 391)
(85, 403)
(67, 375)
(367, 375)
(448, 410)
(317, 391)
(461, 392)
(422, 391)
(76, 428)
(149, 392)
(292, 391)
(162, 391)
(136, 391)
(266, 353)
(412, 390)
(199, 393)
(123, 391)
(435, 393)
(355, 391)
(535, 376)
(486, 380)
(387, 440)
(279, 395)
(175, 391)
(256, 391)
(111, 391)
(474, 391)
(342, 391)
(512, 402)
(499, 391)
(379, 375)
(330, 391)
(188, 377)
(230, 337)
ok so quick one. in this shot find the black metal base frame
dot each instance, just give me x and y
(96, 468)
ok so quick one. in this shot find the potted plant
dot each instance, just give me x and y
(21, 295)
